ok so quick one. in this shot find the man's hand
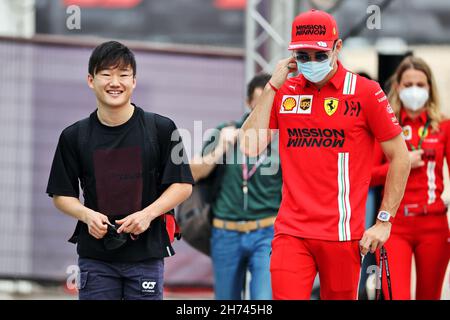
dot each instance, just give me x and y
(135, 223)
(375, 237)
(97, 223)
(283, 68)
(416, 158)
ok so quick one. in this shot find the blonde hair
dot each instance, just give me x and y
(432, 105)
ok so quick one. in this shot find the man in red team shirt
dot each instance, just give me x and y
(328, 119)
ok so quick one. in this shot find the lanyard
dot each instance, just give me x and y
(383, 258)
(246, 175)
(421, 137)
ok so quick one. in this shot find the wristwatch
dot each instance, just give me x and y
(385, 216)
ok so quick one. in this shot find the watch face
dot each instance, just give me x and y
(383, 216)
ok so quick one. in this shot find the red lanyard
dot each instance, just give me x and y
(246, 175)
(383, 258)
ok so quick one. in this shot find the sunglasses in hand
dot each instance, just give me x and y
(114, 240)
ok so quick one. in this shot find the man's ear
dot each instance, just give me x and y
(90, 81)
(339, 45)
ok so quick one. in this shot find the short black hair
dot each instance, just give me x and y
(111, 54)
(258, 81)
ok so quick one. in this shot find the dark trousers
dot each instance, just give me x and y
(100, 280)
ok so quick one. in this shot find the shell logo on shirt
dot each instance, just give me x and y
(331, 105)
(289, 104)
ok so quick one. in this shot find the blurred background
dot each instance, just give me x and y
(194, 59)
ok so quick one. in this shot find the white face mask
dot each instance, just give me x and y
(414, 97)
(315, 71)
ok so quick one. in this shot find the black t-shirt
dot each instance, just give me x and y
(119, 174)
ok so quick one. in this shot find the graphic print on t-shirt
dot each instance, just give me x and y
(118, 175)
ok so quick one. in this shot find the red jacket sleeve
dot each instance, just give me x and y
(379, 115)
(445, 127)
(380, 167)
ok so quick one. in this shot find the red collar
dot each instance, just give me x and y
(404, 118)
(338, 79)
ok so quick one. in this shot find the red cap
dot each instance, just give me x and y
(314, 29)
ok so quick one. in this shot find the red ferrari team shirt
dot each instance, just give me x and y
(426, 183)
(326, 145)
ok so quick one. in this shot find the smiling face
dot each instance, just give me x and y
(113, 87)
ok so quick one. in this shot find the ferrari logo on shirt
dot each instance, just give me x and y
(422, 133)
(407, 133)
(331, 105)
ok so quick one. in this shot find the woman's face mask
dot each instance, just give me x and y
(414, 89)
(414, 98)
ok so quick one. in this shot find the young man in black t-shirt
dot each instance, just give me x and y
(122, 158)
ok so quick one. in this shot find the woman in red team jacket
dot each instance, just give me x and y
(420, 226)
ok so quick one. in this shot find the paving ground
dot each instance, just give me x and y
(26, 290)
